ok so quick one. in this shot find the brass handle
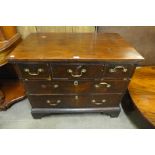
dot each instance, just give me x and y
(53, 104)
(34, 74)
(78, 75)
(45, 86)
(102, 84)
(98, 103)
(112, 70)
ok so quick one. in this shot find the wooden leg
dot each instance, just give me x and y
(37, 116)
(112, 113)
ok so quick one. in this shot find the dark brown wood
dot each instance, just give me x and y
(76, 71)
(76, 86)
(38, 113)
(35, 71)
(75, 101)
(74, 47)
(69, 73)
(119, 71)
(8, 72)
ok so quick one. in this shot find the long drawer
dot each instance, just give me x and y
(74, 101)
(73, 87)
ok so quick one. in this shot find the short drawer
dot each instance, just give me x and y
(110, 86)
(118, 70)
(34, 70)
(77, 71)
(74, 101)
(73, 87)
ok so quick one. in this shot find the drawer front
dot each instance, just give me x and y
(73, 87)
(118, 70)
(110, 86)
(74, 101)
(58, 87)
(34, 71)
(77, 71)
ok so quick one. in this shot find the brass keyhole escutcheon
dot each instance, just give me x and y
(76, 83)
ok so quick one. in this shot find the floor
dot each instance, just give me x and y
(19, 117)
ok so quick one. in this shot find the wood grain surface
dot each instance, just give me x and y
(142, 91)
(74, 46)
(13, 91)
(75, 72)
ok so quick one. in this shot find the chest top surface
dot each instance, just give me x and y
(74, 46)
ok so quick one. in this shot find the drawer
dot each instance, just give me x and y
(74, 101)
(34, 70)
(110, 86)
(118, 70)
(58, 87)
(73, 87)
(77, 71)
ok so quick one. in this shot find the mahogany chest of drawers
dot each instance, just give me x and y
(75, 72)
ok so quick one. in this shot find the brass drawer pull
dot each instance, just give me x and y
(45, 86)
(78, 75)
(102, 84)
(40, 70)
(98, 103)
(112, 70)
(53, 104)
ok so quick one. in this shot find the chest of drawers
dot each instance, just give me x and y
(75, 72)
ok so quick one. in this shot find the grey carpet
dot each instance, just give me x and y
(19, 117)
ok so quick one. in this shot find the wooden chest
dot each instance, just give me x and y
(75, 72)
